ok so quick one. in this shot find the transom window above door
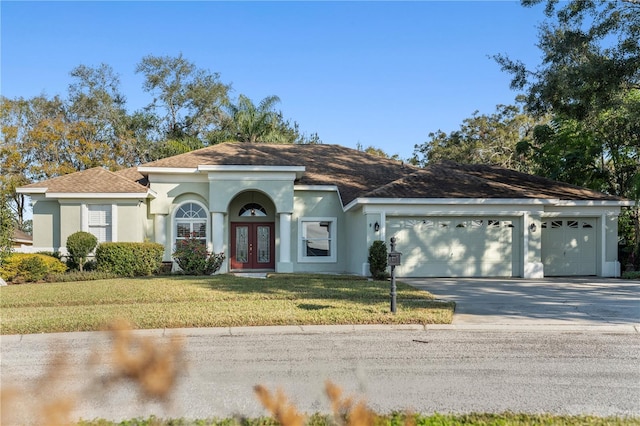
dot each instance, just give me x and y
(252, 209)
(191, 221)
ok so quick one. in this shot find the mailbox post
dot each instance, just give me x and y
(394, 260)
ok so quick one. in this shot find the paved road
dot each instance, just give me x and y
(561, 301)
(445, 370)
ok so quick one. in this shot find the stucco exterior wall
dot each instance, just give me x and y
(70, 219)
(167, 192)
(361, 236)
(46, 220)
(131, 224)
(319, 204)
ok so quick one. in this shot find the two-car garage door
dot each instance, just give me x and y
(490, 247)
(455, 246)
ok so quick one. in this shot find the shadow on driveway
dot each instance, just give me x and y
(558, 301)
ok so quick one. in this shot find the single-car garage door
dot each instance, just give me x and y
(454, 247)
(569, 246)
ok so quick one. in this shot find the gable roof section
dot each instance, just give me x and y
(91, 181)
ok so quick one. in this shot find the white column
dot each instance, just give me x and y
(532, 246)
(217, 239)
(217, 232)
(284, 264)
(114, 222)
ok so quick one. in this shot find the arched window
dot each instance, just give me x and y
(191, 220)
(252, 209)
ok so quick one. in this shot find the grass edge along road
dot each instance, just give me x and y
(213, 301)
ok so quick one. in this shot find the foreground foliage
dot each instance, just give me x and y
(393, 419)
(181, 301)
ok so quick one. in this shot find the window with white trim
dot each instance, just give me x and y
(100, 221)
(317, 239)
(191, 220)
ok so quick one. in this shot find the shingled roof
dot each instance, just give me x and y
(361, 175)
(355, 173)
(95, 180)
(453, 180)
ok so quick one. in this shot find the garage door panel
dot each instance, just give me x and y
(569, 246)
(455, 247)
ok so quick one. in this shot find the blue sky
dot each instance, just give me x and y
(380, 74)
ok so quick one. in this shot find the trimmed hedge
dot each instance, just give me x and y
(129, 259)
(30, 267)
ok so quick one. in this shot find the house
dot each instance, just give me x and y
(318, 208)
(20, 240)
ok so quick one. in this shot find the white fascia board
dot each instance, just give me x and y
(102, 195)
(31, 190)
(449, 201)
(330, 188)
(226, 168)
(217, 171)
(167, 170)
(595, 203)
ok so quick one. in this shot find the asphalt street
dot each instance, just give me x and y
(434, 370)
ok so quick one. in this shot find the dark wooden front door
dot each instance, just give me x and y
(252, 246)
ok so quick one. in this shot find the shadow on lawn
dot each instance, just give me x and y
(313, 287)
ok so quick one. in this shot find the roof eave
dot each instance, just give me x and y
(101, 195)
(489, 201)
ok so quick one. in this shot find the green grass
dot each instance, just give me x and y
(216, 301)
(396, 419)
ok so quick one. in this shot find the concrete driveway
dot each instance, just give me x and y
(559, 301)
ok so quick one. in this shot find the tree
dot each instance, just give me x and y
(190, 98)
(246, 122)
(14, 164)
(589, 79)
(481, 139)
(6, 229)
(376, 151)
(591, 57)
(95, 99)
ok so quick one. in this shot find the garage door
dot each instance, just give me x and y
(569, 246)
(454, 247)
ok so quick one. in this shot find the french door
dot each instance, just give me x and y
(252, 246)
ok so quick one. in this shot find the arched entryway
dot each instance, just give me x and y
(252, 232)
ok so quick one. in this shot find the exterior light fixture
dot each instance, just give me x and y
(376, 226)
(533, 227)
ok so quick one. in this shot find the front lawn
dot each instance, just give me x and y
(213, 301)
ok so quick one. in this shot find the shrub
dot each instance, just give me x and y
(55, 254)
(30, 267)
(129, 259)
(378, 260)
(74, 276)
(631, 275)
(79, 245)
(194, 259)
